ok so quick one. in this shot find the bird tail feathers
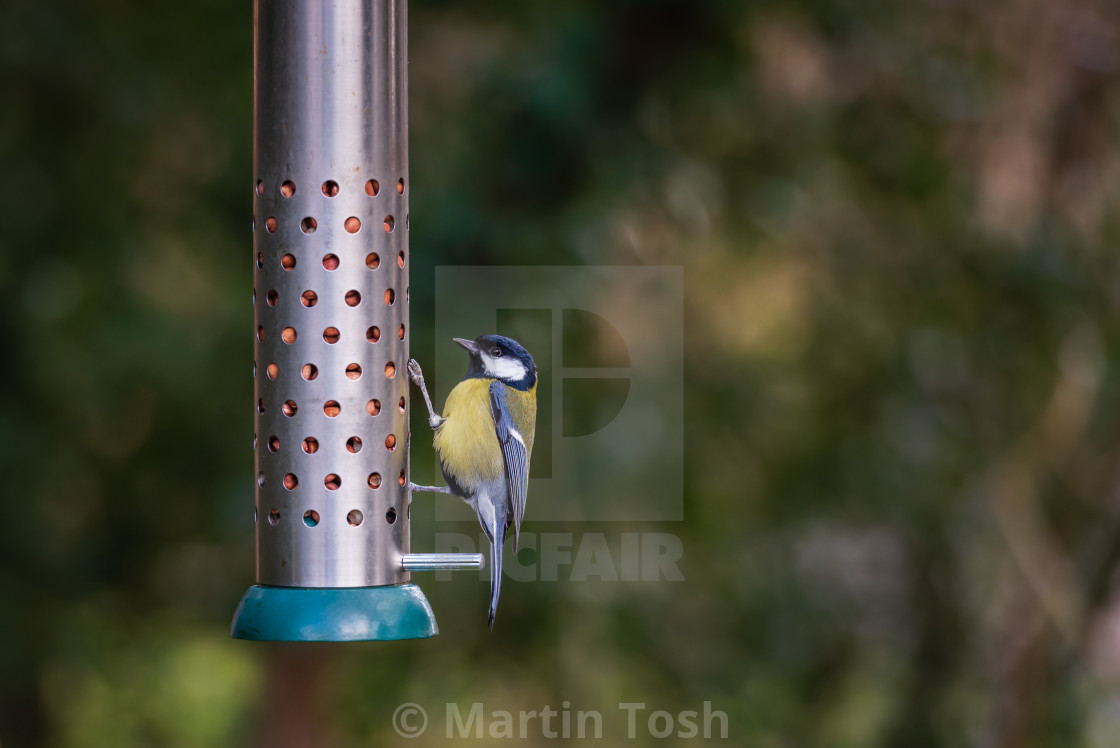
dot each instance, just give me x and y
(499, 537)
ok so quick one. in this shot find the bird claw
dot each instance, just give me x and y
(417, 377)
(414, 372)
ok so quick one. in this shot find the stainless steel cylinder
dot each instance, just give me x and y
(330, 262)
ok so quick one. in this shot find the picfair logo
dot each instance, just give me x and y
(608, 342)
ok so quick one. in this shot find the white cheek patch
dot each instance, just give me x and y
(504, 367)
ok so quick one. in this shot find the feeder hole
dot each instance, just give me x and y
(401, 405)
(400, 259)
(390, 370)
(332, 482)
(273, 443)
(331, 335)
(308, 225)
(260, 187)
(288, 188)
(330, 261)
(331, 408)
(352, 225)
(391, 515)
(388, 224)
(309, 298)
(288, 335)
(400, 186)
(272, 370)
(290, 408)
(270, 224)
(390, 296)
(373, 261)
(400, 332)
(288, 261)
(272, 297)
(390, 442)
(373, 407)
(311, 518)
(374, 480)
(353, 371)
(310, 445)
(353, 298)
(274, 517)
(290, 481)
(373, 334)
(330, 188)
(353, 445)
(373, 187)
(354, 517)
(309, 372)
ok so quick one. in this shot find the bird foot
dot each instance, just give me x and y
(413, 487)
(417, 377)
(415, 373)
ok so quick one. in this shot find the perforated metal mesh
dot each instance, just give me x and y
(330, 261)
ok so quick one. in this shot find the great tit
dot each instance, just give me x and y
(485, 437)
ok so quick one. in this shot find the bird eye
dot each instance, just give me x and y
(495, 351)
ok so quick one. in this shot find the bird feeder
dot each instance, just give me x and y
(330, 324)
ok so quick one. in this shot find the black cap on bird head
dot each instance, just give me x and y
(499, 357)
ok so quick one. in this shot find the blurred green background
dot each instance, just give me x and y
(898, 223)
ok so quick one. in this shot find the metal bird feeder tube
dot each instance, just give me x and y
(331, 262)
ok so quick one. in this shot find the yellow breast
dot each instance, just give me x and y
(466, 441)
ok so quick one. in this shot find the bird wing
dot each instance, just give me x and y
(514, 455)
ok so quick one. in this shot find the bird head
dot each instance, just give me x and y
(501, 358)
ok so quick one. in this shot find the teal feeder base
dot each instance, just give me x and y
(337, 614)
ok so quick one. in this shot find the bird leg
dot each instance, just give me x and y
(417, 376)
(412, 487)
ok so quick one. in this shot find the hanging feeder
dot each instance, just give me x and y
(330, 269)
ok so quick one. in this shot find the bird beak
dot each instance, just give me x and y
(470, 345)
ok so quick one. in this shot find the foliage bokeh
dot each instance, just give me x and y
(898, 226)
